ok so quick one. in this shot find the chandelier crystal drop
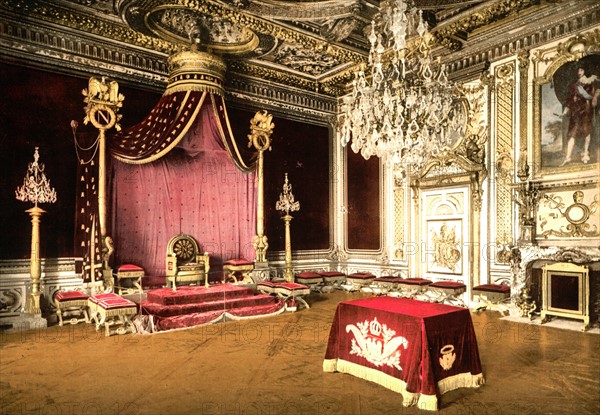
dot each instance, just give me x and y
(401, 108)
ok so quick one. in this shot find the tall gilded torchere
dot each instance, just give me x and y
(103, 103)
(261, 128)
(287, 204)
(36, 188)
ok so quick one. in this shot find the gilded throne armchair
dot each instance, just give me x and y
(185, 264)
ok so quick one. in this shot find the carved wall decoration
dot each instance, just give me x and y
(304, 60)
(445, 230)
(12, 300)
(450, 36)
(338, 29)
(569, 214)
(446, 246)
(504, 120)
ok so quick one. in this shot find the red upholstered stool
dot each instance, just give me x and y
(411, 287)
(313, 280)
(448, 292)
(291, 292)
(385, 284)
(238, 271)
(493, 297)
(72, 303)
(111, 310)
(333, 278)
(129, 279)
(266, 286)
(358, 280)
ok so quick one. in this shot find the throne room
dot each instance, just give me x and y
(299, 207)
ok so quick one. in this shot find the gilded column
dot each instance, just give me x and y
(103, 102)
(33, 300)
(261, 128)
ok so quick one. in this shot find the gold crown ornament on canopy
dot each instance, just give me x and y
(194, 70)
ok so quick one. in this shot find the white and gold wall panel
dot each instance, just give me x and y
(501, 219)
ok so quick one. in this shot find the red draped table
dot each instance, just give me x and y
(418, 349)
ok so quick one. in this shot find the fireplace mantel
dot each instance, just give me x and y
(523, 256)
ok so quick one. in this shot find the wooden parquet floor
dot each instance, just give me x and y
(273, 366)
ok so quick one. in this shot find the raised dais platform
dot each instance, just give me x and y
(194, 305)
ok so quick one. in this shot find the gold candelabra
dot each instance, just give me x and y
(36, 188)
(287, 204)
(526, 195)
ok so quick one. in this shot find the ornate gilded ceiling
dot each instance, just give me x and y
(310, 46)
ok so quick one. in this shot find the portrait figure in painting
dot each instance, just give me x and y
(571, 114)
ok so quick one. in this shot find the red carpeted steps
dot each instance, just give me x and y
(190, 305)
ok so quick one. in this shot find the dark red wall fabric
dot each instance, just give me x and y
(363, 200)
(36, 110)
(303, 152)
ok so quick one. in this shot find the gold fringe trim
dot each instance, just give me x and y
(427, 402)
(462, 380)
(237, 159)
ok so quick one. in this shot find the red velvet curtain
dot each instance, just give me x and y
(194, 189)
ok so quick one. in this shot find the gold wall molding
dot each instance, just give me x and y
(451, 34)
(90, 24)
(523, 70)
(547, 61)
(581, 15)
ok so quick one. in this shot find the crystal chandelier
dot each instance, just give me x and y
(401, 107)
(36, 187)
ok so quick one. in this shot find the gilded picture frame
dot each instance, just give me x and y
(567, 109)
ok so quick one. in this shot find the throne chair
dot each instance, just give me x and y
(185, 264)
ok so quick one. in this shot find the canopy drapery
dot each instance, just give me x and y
(179, 171)
(167, 124)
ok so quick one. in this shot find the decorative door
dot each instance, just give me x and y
(445, 234)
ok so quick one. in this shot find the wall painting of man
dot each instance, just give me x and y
(570, 115)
